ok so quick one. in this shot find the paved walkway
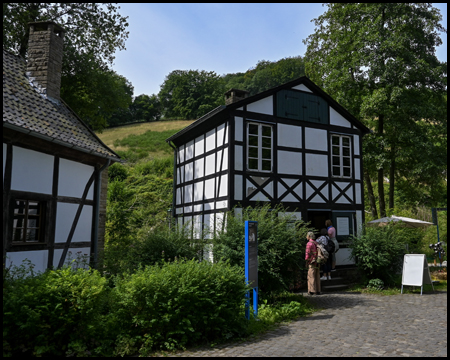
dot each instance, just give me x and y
(353, 324)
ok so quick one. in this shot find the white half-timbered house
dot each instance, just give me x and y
(54, 166)
(292, 144)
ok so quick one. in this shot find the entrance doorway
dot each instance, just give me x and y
(318, 218)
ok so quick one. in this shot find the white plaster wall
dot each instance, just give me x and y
(189, 172)
(238, 129)
(188, 193)
(289, 162)
(316, 165)
(198, 191)
(263, 106)
(223, 191)
(73, 177)
(199, 145)
(302, 87)
(190, 150)
(32, 171)
(295, 215)
(358, 194)
(238, 157)
(178, 196)
(209, 188)
(65, 214)
(197, 222)
(338, 120)
(69, 257)
(224, 161)
(356, 144)
(38, 258)
(199, 170)
(211, 140)
(180, 157)
(237, 187)
(208, 226)
(316, 139)
(210, 164)
(357, 170)
(343, 257)
(220, 135)
(290, 135)
(180, 175)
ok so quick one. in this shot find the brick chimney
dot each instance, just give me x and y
(233, 95)
(45, 53)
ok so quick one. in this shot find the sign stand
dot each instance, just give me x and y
(416, 271)
(251, 265)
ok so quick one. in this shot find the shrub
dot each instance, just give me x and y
(379, 252)
(281, 246)
(179, 304)
(55, 313)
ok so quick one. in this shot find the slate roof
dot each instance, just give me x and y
(27, 110)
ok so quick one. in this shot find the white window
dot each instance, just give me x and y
(259, 147)
(341, 156)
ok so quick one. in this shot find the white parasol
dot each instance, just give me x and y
(403, 221)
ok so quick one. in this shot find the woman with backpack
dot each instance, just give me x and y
(325, 241)
(313, 266)
(332, 235)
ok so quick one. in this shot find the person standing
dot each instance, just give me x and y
(313, 266)
(326, 267)
(332, 235)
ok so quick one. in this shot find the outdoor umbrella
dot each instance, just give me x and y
(404, 221)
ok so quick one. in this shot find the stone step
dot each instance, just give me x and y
(333, 281)
(331, 288)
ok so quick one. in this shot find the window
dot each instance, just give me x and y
(259, 147)
(302, 106)
(28, 221)
(341, 156)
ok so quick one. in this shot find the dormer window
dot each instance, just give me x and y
(259, 147)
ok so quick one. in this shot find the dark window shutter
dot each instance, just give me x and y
(301, 106)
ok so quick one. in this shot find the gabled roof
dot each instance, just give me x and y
(26, 110)
(220, 110)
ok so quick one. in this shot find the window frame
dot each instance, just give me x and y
(260, 147)
(40, 217)
(341, 156)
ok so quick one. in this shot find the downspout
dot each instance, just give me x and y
(174, 194)
(97, 210)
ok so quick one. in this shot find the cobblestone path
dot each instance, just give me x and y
(352, 324)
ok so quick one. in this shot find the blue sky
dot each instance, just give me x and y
(224, 38)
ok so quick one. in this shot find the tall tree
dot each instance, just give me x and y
(146, 108)
(94, 31)
(190, 94)
(379, 61)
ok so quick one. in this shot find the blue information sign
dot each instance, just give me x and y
(251, 264)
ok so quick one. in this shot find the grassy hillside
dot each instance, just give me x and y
(112, 137)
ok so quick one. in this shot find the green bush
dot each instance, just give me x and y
(379, 252)
(55, 313)
(281, 246)
(179, 304)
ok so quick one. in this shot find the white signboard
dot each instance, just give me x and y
(416, 271)
(342, 226)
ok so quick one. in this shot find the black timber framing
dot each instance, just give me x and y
(12, 138)
(239, 109)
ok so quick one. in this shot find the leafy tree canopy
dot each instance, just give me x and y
(190, 94)
(379, 61)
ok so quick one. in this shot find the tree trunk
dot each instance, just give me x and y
(372, 202)
(381, 201)
(392, 181)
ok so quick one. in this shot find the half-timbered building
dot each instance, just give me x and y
(54, 166)
(292, 144)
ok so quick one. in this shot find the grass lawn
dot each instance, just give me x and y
(109, 136)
